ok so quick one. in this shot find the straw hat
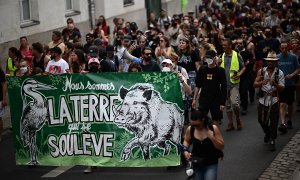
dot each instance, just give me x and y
(271, 56)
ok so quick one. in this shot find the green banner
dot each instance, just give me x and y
(106, 119)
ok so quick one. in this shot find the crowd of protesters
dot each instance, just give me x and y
(224, 51)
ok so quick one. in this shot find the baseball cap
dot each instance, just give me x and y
(210, 54)
(93, 51)
(110, 48)
(97, 42)
(168, 61)
(127, 38)
(94, 60)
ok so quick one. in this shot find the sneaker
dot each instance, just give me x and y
(272, 145)
(282, 128)
(89, 169)
(289, 125)
(266, 138)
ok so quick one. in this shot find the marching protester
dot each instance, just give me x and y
(24, 69)
(207, 145)
(211, 80)
(234, 67)
(289, 64)
(40, 59)
(270, 81)
(12, 63)
(57, 65)
(26, 50)
(3, 99)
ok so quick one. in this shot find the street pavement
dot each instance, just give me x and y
(246, 158)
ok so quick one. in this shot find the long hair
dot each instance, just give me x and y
(200, 114)
(188, 46)
(104, 21)
(81, 60)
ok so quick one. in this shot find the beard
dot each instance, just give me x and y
(148, 58)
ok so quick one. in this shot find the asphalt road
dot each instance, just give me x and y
(246, 157)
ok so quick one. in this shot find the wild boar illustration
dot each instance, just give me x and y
(153, 121)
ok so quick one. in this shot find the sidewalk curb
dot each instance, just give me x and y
(286, 164)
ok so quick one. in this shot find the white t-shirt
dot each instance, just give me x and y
(57, 67)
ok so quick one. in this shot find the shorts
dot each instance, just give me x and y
(212, 107)
(2, 110)
(287, 95)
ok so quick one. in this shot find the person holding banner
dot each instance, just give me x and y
(207, 145)
(57, 65)
(3, 102)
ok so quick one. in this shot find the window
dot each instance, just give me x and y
(69, 5)
(72, 8)
(29, 14)
(128, 2)
(25, 10)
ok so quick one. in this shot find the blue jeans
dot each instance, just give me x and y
(207, 172)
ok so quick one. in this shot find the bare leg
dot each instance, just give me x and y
(283, 107)
(230, 121)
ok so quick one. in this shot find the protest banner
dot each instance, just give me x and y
(106, 119)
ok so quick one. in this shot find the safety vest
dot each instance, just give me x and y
(234, 66)
(10, 66)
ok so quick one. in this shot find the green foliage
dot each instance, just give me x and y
(13, 82)
(121, 142)
(56, 80)
(21, 152)
(158, 78)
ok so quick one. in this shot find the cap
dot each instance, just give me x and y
(56, 49)
(210, 54)
(102, 53)
(93, 51)
(94, 60)
(127, 38)
(110, 48)
(229, 26)
(168, 61)
(97, 42)
(256, 24)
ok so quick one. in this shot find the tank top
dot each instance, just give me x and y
(204, 149)
(40, 64)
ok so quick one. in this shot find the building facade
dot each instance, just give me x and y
(36, 19)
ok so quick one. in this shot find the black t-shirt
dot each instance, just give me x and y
(108, 66)
(247, 56)
(209, 80)
(40, 63)
(2, 79)
(187, 61)
(151, 67)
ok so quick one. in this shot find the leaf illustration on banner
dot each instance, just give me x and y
(158, 79)
(56, 79)
(119, 145)
(13, 82)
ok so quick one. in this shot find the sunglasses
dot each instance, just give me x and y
(147, 54)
